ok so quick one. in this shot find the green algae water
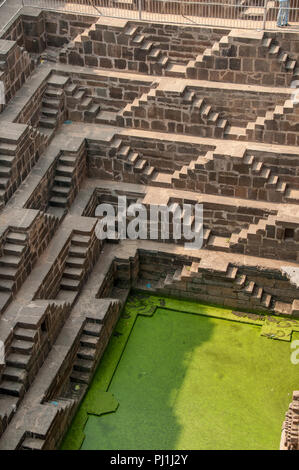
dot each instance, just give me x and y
(181, 375)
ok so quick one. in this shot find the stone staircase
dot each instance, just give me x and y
(14, 378)
(247, 289)
(76, 264)
(17, 158)
(79, 104)
(7, 156)
(275, 125)
(53, 105)
(174, 108)
(147, 51)
(134, 167)
(225, 58)
(85, 361)
(63, 189)
(256, 175)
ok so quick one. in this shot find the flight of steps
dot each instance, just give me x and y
(62, 185)
(190, 103)
(77, 99)
(87, 353)
(148, 51)
(257, 297)
(17, 362)
(274, 184)
(53, 105)
(75, 265)
(276, 52)
(7, 156)
(135, 167)
(224, 47)
(255, 130)
(13, 250)
(257, 231)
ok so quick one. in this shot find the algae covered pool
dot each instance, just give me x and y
(182, 375)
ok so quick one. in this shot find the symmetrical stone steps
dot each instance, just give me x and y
(169, 103)
(248, 52)
(77, 99)
(256, 174)
(247, 290)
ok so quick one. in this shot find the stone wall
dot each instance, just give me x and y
(15, 67)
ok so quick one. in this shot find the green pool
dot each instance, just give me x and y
(181, 375)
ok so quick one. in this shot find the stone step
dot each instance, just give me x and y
(80, 240)
(80, 377)
(80, 95)
(64, 170)
(86, 353)
(7, 148)
(72, 273)
(5, 298)
(106, 117)
(58, 201)
(83, 365)
(66, 160)
(21, 346)
(49, 113)
(70, 284)
(10, 260)
(92, 329)
(71, 89)
(88, 341)
(85, 104)
(5, 171)
(6, 160)
(250, 287)
(54, 93)
(14, 374)
(16, 389)
(58, 81)
(60, 191)
(8, 273)
(62, 181)
(25, 334)
(77, 251)
(20, 361)
(175, 70)
(33, 443)
(92, 111)
(13, 249)
(47, 122)
(4, 182)
(16, 237)
(6, 285)
(75, 262)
